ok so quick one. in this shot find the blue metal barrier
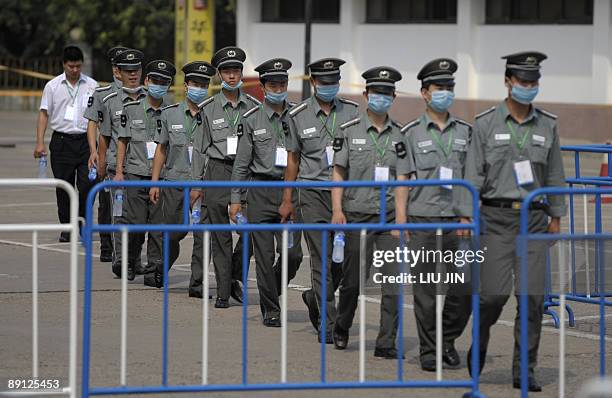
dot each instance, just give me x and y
(523, 239)
(166, 229)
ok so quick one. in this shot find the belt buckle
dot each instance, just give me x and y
(516, 205)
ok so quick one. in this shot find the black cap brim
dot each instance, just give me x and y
(197, 79)
(442, 82)
(129, 67)
(230, 64)
(328, 78)
(275, 78)
(528, 75)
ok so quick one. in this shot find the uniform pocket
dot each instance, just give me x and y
(426, 159)
(498, 151)
(138, 133)
(538, 154)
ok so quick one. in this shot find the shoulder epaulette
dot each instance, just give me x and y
(111, 95)
(550, 115)
(206, 102)
(169, 106)
(297, 109)
(461, 121)
(396, 124)
(409, 125)
(291, 104)
(491, 109)
(100, 89)
(350, 123)
(348, 101)
(251, 111)
(131, 103)
(255, 100)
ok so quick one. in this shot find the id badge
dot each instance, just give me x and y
(381, 173)
(329, 153)
(232, 145)
(190, 151)
(69, 115)
(151, 146)
(446, 173)
(281, 157)
(523, 172)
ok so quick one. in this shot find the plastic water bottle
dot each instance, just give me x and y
(240, 218)
(290, 237)
(93, 174)
(118, 203)
(42, 166)
(196, 212)
(338, 251)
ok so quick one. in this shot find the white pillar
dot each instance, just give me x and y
(352, 13)
(470, 14)
(601, 73)
(248, 13)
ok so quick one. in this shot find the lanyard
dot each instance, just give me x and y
(279, 134)
(74, 96)
(147, 119)
(380, 151)
(192, 126)
(519, 144)
(333, 127)
(446, 152)
(236, 119)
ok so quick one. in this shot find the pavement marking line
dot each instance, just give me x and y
(551, 330)
(49, 249)
(577, 318)
(27, 204)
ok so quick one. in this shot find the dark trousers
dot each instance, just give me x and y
(457, 303)
(69, 155)
(104, 217)
(135, 262)
(227, 259)
(349, 289)
(314, 206)
(500, 272)
(263, 209)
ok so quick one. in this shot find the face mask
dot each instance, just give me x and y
(327, 93)
(131, 90)
(379, 103)
(230, 88)
(276, 98)
(441, 100)
(196, 94)
(523, 95)
(118, 82)
(157, 91)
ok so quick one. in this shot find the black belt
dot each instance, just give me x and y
(266, 177)
(76, 136)
(229, 162)
(512, 204)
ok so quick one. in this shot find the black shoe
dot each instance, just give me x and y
(221, 303)
(236, 291)
(386, 353)
(428, 365)
(131, 275)
(483, 357)
(116, 270)
(272, 322)
(106, 257)
(64, 237)
(328, 337)
(154, 279)
(532, 384)
(341, 338)
(451, 358)
(195, 293)
(313, 310)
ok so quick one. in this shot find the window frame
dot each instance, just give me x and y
(416, 21)
(508, 20)
(297, 20)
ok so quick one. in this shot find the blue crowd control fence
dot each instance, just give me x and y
(523, 240)
(90, 228)
(583, 293)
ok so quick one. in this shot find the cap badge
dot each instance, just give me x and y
(328, 65)
(231, 53)
(444, 65)
(202, 68)
(531, 60)
(278, 65)
(161, 65)
(130, 57)
(384, 74)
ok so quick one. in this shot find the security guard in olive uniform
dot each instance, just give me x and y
(223, 114)
(436, 144)
(178, 127)
(262, 156)
(129, 64)
(95, 115)
(312, 129)
(514, 150)
(136, 145)
(367, 150)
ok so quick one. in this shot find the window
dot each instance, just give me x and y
(539, 12)
(411, 11)
(323, 11)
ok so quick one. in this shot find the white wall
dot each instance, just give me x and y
(578, 68)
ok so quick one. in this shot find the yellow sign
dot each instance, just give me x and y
(194, 35)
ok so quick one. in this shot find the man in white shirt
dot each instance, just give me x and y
(63, 103)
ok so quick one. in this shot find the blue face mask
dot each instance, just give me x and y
(230, 88)
(157, 91)
(524, 95)
(276, 98)
(441, 100)
(379, 103)
(196, 94)
(327, 93)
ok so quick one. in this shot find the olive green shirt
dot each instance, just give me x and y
(140, 128)
(428, 149)
(494, 150)
(363, 150)
(95, 106)
(311, 132)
